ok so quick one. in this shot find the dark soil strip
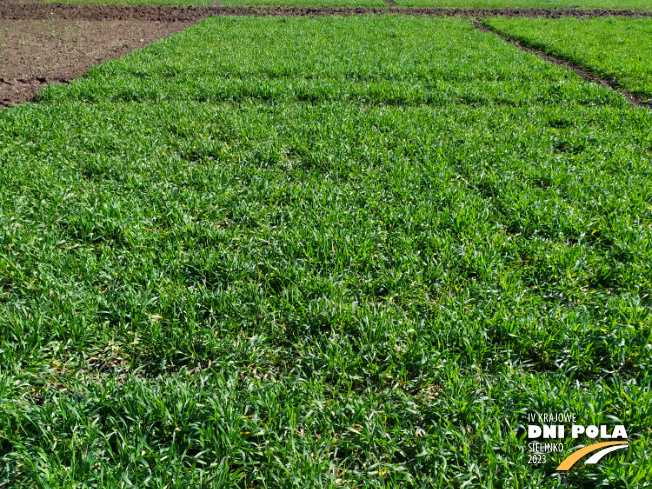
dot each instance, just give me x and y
(583, 72)
(163, 13)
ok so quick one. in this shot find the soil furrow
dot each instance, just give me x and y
(585, 73)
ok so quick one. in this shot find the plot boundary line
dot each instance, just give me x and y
(586, 73)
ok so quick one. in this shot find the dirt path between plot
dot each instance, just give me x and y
(163, 13)
(583, 72)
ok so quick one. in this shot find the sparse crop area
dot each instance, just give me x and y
(322, 252)
(613, 48)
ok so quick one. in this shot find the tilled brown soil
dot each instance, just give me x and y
(34, 53)
(164, 13)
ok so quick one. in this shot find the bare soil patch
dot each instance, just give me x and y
(34, 53)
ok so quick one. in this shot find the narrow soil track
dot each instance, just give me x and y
(583, 72)
(163, 13)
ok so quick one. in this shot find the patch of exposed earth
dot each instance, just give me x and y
(34, 53)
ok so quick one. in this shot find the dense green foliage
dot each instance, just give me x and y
(321, 253)
(619, 49)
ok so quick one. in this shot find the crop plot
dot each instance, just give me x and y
(304, 3)
(613, 48)
(538, 4)
(339, 252)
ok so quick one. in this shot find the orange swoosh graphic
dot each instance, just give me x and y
(570, 460)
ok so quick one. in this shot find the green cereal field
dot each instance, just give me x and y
(616, 49)
(330, 252)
